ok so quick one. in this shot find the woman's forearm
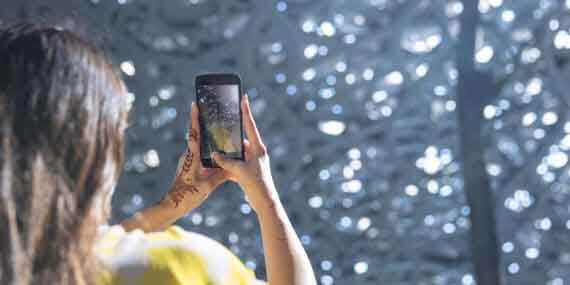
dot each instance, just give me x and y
(286, 261)
(155, 218)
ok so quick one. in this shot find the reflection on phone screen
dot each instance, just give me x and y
(220, 120)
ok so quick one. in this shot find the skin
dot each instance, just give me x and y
(191, 186)
(286, 261)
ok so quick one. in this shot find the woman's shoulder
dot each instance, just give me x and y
(173, 256)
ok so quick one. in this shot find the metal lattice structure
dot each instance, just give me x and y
(357, 102)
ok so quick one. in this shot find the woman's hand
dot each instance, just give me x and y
(254, 173)
(192, 183)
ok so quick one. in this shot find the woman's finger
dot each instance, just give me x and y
(225, 163)
(249, 124)
(193, 140)
(246, 150)
(186, 171)
(205, 172)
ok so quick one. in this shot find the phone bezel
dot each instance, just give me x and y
(218, 79)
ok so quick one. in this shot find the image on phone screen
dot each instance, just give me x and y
(220, 120)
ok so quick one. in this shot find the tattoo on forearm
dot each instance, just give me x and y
(179, 192)
(193, 135)
(185, 184)
(188, 161)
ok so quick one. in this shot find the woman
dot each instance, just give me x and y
(63, 115)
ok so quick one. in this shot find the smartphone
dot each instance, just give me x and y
(219, 98)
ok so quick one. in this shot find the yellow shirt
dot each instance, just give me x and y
(172, 257)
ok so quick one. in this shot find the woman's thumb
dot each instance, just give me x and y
(223, 162)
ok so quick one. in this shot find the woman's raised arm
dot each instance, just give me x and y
(285, 258)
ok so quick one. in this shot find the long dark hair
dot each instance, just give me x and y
(62, 119)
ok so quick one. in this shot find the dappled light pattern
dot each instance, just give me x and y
(356, 101)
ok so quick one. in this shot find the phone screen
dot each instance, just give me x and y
(220, 121)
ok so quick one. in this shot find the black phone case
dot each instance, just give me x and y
(215, 79)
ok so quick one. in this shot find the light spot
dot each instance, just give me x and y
(412, 190)
(368, 74)
(484, 54)
(308, 26)
(363, 224)
(128, 68)
(422, 70)
(340, 66)
(310, 51)
(557, 159)
(532, 253)
(327, 29)
(151, 158)
(394, 78)
(332, 127)
(361, 267)
(309, 74)
(352, 186)
(528, 119)
(508, 16)
(379, 96)
(508, 247)
(549, 118)
(489, 112)
(316, 202)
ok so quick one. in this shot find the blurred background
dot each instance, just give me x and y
(357, 101)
